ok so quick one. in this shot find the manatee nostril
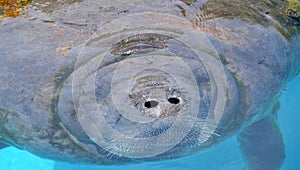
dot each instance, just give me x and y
(151, 104)
(173, 100)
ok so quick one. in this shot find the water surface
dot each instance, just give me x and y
(225, 156)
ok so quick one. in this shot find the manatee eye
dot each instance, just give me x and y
(173, 100)
(151, 104)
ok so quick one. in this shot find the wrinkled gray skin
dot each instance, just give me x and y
(38, 55)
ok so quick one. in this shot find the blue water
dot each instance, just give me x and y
(225, 156)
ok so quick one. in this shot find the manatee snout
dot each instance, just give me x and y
(156, 94)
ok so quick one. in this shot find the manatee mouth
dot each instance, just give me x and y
(147, 93)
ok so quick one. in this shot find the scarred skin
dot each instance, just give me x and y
(39, 51)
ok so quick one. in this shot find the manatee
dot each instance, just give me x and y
(120, 82)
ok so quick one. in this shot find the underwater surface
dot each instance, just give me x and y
(225, 156)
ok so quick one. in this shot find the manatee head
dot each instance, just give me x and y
(150, 92)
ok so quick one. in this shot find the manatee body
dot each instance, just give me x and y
(113, 82)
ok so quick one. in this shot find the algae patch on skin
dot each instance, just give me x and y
(293, 9)
(12, 8)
